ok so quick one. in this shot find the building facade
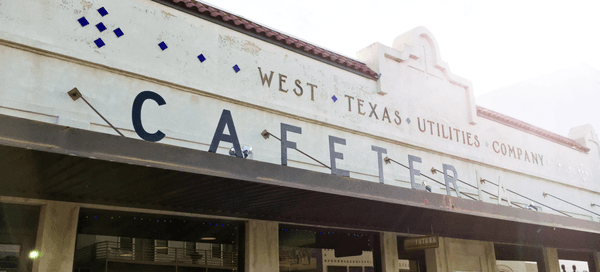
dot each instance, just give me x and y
(169, 135)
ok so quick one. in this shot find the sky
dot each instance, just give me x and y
(491, 43)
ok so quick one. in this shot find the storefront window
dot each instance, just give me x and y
(516, 266)
(576, 261)
(18, 231)
(325, 250)
(517, 258)
(118, 241)
(573, 266)
(9, 257)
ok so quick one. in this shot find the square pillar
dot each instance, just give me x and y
(389, 252)
(596, 258)
(550, 259)
(461, 255)
(57, 231)
(262, 246)
(435, 258)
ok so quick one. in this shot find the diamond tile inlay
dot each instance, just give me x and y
(83, 21)
(102, 11)
(162, 46)
(99, 42)
(118, 32)
(101, 27)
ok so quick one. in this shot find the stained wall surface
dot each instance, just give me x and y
(417, 107)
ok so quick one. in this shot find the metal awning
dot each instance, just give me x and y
(47, 161)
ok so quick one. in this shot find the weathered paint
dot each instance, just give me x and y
(45, 52)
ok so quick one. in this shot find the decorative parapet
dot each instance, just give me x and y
(418, 50)
(408, 45)
(420, 43)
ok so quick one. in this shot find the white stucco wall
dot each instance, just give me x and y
(45, 52)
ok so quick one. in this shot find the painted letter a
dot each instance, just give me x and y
(231, 138)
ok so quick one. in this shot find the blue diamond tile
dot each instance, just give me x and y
(83, 21)
(408, 120)
(102, 11)
(118, 32)
(162, 46)
(236, 68)
(99, 42)
(201, 58)
(334, 98)
(101, 27)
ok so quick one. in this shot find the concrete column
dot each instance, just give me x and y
(435, 258)
(57, 231)
(262, 246)
(550, 259)
(596, 257)
(389, 252)
(461, 255)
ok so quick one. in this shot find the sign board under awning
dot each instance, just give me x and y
(421, 243)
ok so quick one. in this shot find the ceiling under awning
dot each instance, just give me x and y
(46, 161)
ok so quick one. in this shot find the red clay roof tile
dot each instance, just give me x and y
(247, 26)
(520, 125)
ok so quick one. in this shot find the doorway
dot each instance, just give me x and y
(410, 260)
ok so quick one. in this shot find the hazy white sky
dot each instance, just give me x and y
(493, 44)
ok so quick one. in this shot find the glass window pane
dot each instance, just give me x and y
(162, 247)
(125, 241)
(18, 233)
(315, 249)
(573, 266)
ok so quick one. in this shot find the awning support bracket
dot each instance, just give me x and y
(547, 194)
(434, 171)
(532, 200)
(387, 160)
(75, 94)
(266, 135)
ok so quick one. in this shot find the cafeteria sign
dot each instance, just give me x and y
(421, 243)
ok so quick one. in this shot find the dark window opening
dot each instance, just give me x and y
(125, 241)
(511, 258)
(303, 248)
(18, 232)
